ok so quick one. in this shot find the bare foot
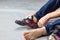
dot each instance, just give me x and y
(33, 34)
(26, 35)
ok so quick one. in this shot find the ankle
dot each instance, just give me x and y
(34, 19)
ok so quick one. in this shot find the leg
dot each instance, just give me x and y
(43, 11)
(50, 6)
(33, 34)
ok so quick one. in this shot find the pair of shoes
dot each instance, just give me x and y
(26, 21)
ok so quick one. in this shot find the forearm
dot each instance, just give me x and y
(48, 16)
(53, 14)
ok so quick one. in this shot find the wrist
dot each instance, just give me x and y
(47, 17)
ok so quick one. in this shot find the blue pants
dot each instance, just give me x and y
(50, 6)
(50, 27)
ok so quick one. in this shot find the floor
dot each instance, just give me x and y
(10, 10)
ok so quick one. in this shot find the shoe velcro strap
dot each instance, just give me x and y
(30, 18)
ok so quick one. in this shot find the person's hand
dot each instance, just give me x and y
(42, 21)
